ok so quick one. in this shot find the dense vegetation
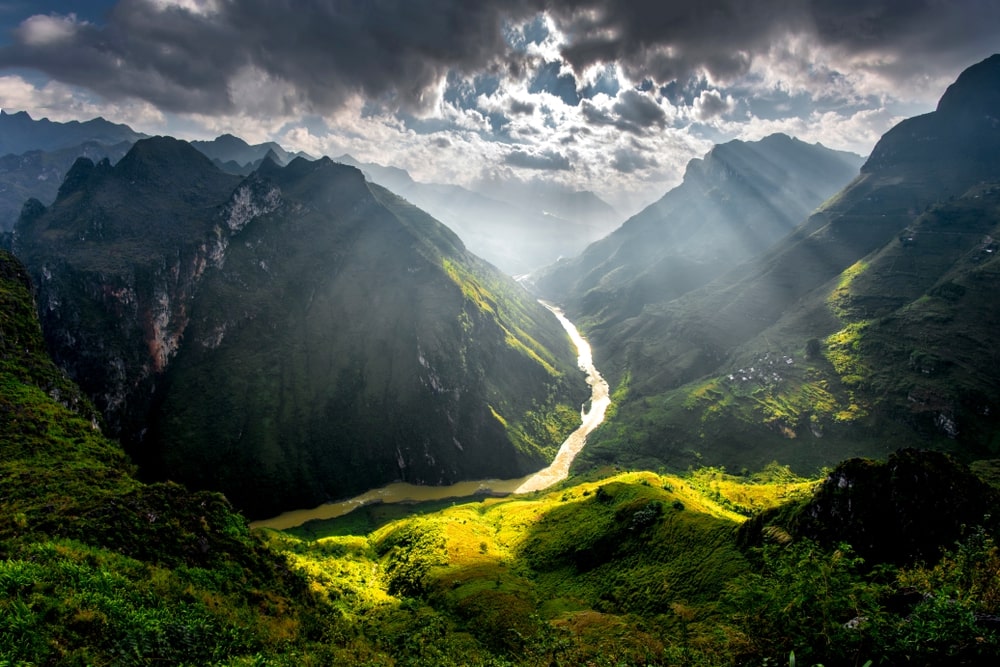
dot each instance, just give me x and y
(631, 568)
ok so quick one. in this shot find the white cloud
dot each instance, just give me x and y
(59, 102)
(42, 30)
(199, 7)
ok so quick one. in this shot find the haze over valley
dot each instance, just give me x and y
(499, 333)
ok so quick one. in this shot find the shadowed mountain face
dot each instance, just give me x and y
(903, 510)
(733, 204)
(294, 336)
(868, 327)
(38, 174)
(36, 154)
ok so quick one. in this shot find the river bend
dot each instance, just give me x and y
(558, 470)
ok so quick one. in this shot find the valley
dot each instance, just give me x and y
(555, 472)
(261, 406)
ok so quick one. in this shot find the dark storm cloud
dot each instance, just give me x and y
(633, 112)
(627, 160)
(639, 110)
(390, 50)
(397, 52)
(522, 107)
(710, 104)
(669, 41)
(546, 160)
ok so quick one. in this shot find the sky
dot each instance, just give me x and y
(612, 96)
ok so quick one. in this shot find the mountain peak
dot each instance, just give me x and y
(976, 90)
(152, 155)
(959, 141)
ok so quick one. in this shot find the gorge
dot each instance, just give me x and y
(558, 470)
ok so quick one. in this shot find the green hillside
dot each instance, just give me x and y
(870, 327)
(619, 569)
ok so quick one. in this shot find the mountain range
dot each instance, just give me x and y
(20, 133)
(296, 335)
(867, 328)
(290, 333)
(734, 203)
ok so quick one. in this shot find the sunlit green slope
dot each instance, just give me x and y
(619, 569)
(649, 569)
(870, 327)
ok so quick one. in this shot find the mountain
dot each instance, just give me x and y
(36, 154)
(19, 133)
(37, 174)
(732, 205)
(869, 327)
(294, 336)
(228, 148)
(516, 237)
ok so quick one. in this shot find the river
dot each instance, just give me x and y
(558, 470)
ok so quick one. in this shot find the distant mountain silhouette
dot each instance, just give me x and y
(517, 236)
(19, 133)
(228, 148)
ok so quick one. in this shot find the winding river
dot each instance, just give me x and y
(558, 470)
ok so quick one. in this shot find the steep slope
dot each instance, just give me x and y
(732, 205)
(518, 237)
(38, 174)
(117, 259)
(868, 327)
(20, 133)
(97, 568)
(293, 337)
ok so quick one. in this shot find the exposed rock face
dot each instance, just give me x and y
(295, 336)
(117, 259)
